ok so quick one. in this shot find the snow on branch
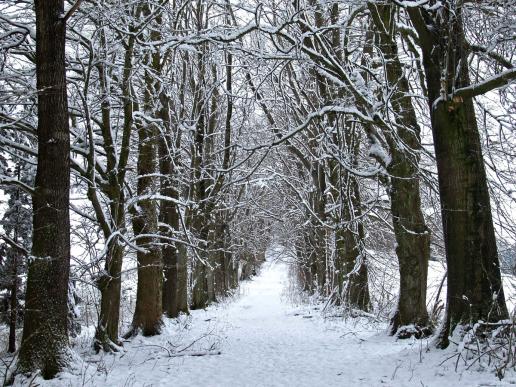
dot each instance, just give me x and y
(6, 180)
(480, 88)
(315, 115)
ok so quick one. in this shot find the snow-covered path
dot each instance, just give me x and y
(261, 339)
(270, 345)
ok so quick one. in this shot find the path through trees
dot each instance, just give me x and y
(152, 150)
(263, 338)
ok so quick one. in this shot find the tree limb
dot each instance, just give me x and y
(6, 180)
(72, 10)
(480, 88)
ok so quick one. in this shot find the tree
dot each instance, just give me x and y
(17, 241)
(148, 311)
(104, 107)
(45, 330)
(475, 289)
(412, 234)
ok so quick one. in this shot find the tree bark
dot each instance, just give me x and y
(110, 281)
(148, 311)
(182, 279)
(474, 289)
(110, 284)
(149, 308)
(200, 217)
(174, 287)
(169, 215)
(45, 331)
(412, 235)
(219, 274)
(13, 316)
(200, 297)
(350, 259)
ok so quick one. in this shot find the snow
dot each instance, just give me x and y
(261, 337)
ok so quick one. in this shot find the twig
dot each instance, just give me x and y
(196, 354)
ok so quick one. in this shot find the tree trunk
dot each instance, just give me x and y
(475, 289)
(412, 235)
(110, 281)
(169, 214)
(318, 234)
(148, 311)
(305, 262)
(200, 297)
(233, 273)
(351, 265)
(110, 284)
(170, 264)
(219, 272)
(182, 279)
(200, 287)
(412, 250)
(201, 218)
(149, 292)
(13, 316)
(45, 333)
(352, 278)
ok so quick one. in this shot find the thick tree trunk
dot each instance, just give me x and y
(170, 264)
(169, 214)
(351, 264)
(412, 249)
(318, 234)
(200, 217)
(222, 238)
(148, 311)
(352, 271)
(175, 285)
(412, 235)
(200, 296)
(475, 289)
(109, 284)
(149, 293)
(45, 331)
(352, 279)
(200, 287)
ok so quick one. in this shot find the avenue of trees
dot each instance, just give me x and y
(170, 142)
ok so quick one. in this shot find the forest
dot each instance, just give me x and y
(333, 165)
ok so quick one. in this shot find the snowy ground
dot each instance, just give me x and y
(261, 339)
